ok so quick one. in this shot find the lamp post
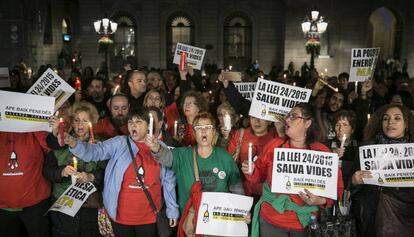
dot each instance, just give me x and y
(105, 27)
(312, 29)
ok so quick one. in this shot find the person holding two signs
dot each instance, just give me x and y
(300, 134)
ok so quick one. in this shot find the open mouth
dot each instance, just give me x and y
(134, 132)
(204, 138)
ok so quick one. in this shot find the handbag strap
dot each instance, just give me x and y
(139, 179)
(196, 175)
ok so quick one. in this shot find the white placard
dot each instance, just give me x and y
(73, 198)
(363, 61)
(4, 77)
(272, 99)
(297, 169)
(195, 55)
(246, 89)
(391, 165)
(21, 112)
(222, 214)
(50, 84)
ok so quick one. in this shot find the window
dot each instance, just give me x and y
(124, 50)
(237, 41)
(179, 29)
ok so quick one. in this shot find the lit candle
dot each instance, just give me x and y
(326, 71)
(321, 74)
(77, 83)
(368, 117)
(151, 125)
(262, 77)
(227, 122)
(75, 163)
(230, 67)
(356, 87)
(175, 128)
(284, 76)
(91, 135)
(343, 140)
(116, 89)
(327, 84)
(250, 159)
(61, 132)
(294, 83)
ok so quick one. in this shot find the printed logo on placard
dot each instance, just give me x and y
(206, 214)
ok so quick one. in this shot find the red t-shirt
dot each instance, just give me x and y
(105, 129)
(258, 143)
(264, 167)
(133, 206)
(22, 183)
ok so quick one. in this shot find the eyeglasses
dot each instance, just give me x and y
(294, 117)
(207, 127)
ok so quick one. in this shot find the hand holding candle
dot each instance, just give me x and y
(250, 158)
(183, 61)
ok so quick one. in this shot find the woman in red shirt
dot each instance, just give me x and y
(299, 129)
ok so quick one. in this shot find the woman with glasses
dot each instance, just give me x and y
(59, 167)
(217, 170)
(299, 129)
(385, 211)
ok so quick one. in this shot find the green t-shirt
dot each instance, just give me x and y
(217, 172)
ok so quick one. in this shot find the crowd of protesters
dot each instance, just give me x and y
(187, 109)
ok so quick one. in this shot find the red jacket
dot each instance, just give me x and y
(171, 115)
(105, 129)
(264, 167)
(21, 180)
(258, 143)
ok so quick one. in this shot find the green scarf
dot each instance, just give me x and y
(281, 203)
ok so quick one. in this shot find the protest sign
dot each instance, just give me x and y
(246, 89)
(363, 61)
(222, 214)
(195, 55)
(391, 165)
(4, 77)
(73, 198)
(232, 76)
(272, 99)
(21, 112)
(297, 169)
(50, 84)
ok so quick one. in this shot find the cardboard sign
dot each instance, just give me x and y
(297, 169)
(222, 214)
(232, 76)
(363, 61)
(271, 100)
(391, 165)
(21, 112)
(50, 84)
(73, 198)
(195, 55)
(246, 89)
(4, 77)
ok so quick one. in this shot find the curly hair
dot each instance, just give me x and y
(162, 98)
(86, 107)
(374, 125)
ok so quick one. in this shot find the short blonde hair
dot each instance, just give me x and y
(87, 107)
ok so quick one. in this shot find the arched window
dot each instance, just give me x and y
(386, 33)
(124, 50)
(179, 30)
(237, 41)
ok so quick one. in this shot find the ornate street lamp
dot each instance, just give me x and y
(312, 29)
(105, 27)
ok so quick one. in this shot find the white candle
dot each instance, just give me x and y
(250, 159)
(368, 117)
(230, 67)
(356, 87)
(175, 128)
(151, 125)
(227, 122)
(294, 83)
(343, 140)
(261, 77)
(116, 89)
(284, 76)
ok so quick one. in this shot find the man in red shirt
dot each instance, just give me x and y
(116, 124)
